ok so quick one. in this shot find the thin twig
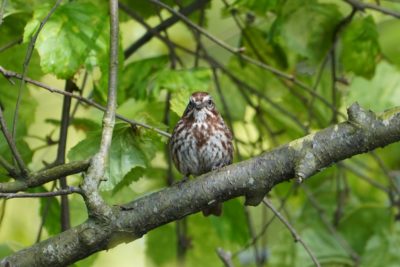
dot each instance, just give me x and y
(265, 226)
(362, 6)
(163, 26)
(226, 257)
(95, 174)
(44, 213)
(10, 74)
(62, 192)
(27, 60)
(12, 145)
(9, 168)
(2, 9)
(365, 177)
(296, 237)
(239, 51)
(385, 170)
(343, 242)
(44, 176)
(10, 44)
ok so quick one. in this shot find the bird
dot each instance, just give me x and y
(201, 142)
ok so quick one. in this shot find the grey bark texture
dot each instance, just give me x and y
(253, 178)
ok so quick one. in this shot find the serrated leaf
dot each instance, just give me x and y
(67, 38)
(129, 149)
(360, 47)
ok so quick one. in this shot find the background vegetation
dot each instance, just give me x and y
(278, 70)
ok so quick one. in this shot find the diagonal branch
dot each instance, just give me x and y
(253, 178)
(11, 144)
(196, 5)
(362, 6)
(11, 74)
(295, 235)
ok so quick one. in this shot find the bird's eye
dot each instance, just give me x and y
(210, 104)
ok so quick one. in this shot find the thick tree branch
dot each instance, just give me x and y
(253, 178)
(44, 176)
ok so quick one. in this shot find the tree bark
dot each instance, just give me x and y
(253, 178)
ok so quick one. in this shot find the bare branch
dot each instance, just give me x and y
(10, 74)
(196, 5)
(62, 192)
(61, 151)
(225, 256)
(44, 176)
(9, 168)
(362, 6)
(295, 235)
(95, 174)
(10, 44)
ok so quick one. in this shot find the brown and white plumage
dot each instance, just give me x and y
(201, 141)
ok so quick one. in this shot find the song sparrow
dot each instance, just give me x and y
(201, 141)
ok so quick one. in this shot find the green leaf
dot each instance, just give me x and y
(326, 248)
(179, 101)
(69, 36)
(5, 250)
(198, 79)
(138, 76)
(381, 249)
(50, 210)
(307, 27)
(379, 93)
(370, 219)
(258, 45)
(161, 245)
(260, 7)
(360, 47)
(232, 225)
(129, 149)
(183, 83)
(389, 40)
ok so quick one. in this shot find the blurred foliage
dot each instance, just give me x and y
(264, 109)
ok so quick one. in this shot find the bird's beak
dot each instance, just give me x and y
(199, 106)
